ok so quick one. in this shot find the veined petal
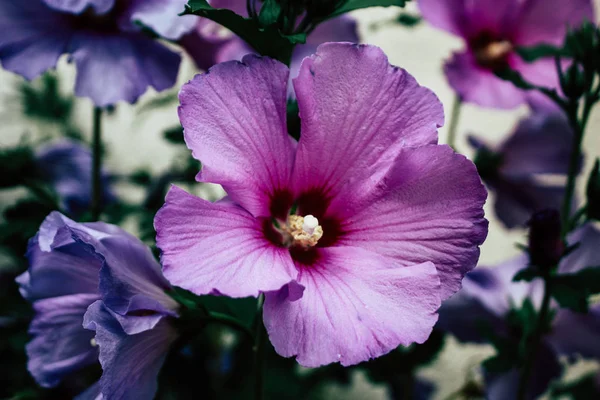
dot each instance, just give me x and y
(131, 363)
(234, 123)
(60, 344)
(33, 37)
(113, 68)
(78, 6)
(357, 113)
(429, 207)
(220, 247)
(356, 305)
(546, 21)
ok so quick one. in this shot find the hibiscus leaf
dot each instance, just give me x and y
(266, 40)
(573, 290)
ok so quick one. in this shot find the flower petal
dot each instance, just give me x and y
(130, 363)
(49, 271)
(468, 18)
(207, 247)
(541, 144)
(429, 207)
(162, 16)
(356, 305)
(576, 333)
(546, 21)
(131, 280)
(78, 6)
(112, 68)
(586, 255)
(234, 123)
(481, 303)
(357, 112)
(475, 84)
(517, 200)
(67, 166)
(33, 37)
(60, 344)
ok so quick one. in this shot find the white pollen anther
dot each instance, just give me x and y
(93, 342)
(309, 224)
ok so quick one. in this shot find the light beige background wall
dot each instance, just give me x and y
(135, 140)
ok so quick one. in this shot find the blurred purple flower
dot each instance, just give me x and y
(61, 282)
(487, 297)
(97, 276)
(208, 46)
(492, 30)
(133, 319)
(67, 167)
(115, 59)
(540, 145)
(354, 233)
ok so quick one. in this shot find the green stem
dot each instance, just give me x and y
(454, 118)
(259, 350)
(574, 161)
(96, 208)
(535, 340)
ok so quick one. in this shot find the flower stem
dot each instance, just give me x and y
(536, 339)
(454, 118)
(259, 350)
(96, 207)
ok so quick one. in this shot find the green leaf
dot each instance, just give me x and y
(527, 274)
(174, 135)
(352, 5)
(534, 53)
(293, 119)
(269, 12)
(267, 41)
(573, 290)
(409, 20)
(18, 165)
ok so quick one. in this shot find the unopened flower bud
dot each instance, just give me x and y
(573, 83)
(545, 244)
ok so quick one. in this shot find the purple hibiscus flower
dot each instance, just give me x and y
(207, 45)
(61, 282)
(492, 30)
(67, 166)
(355, 233)
(115, 59)
(518, 170)
(487, 297)
(132, 320)
(99, 277)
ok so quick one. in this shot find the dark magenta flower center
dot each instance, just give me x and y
(491, 51)
(314, 203)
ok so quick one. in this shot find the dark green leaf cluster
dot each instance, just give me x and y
(280, 25)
